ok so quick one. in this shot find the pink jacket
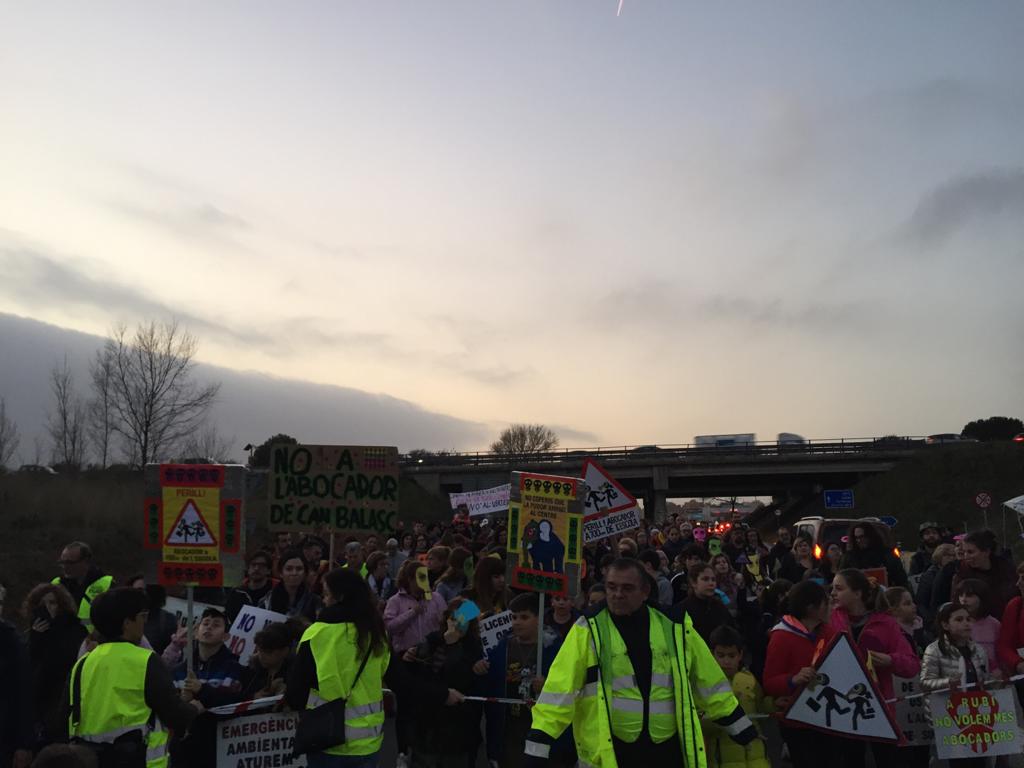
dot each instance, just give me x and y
(406, 625)
(882, 633)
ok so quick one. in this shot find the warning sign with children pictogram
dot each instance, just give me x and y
(190, 528)
(193, 520)
(843, 698)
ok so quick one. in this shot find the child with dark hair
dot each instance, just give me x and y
(976, 597)
(726, 645)
(512, 672)
(954, 660)
(268, 667)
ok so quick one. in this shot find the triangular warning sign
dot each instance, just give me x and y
(606, 494)
(843, 698)
(190, 529)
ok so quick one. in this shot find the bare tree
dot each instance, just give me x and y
(156, 402)
(519, 440)
(100, 416)
(66, 422)
(9, 436)
(210, 444)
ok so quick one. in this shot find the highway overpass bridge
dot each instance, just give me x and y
(786, 472)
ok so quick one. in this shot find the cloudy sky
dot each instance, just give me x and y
(690, 218)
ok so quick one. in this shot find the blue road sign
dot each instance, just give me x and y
(839, 499)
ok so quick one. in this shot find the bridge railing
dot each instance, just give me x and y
(647, 453)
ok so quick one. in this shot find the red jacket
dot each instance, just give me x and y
(1011, 636)
(791, 648)
(882, 633)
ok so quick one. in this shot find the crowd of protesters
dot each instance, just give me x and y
(953, 617)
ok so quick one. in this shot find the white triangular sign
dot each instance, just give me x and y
(843, 698)
(606, 494)
(190, 529)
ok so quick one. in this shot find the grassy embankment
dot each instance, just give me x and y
(41, 513)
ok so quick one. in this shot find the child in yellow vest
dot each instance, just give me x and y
(726, 645)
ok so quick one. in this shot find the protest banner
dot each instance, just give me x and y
(545, 533)
(482, 502)
(249, 621)
(194, 523)
(608, 509)
(843, 698)
(604, 526)
(911, 713)
(493, 629)
(258, 740)
(975, 723)
(348, 489)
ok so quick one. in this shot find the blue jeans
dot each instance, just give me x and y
(324, 760)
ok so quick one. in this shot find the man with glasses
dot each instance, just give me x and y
(82, 578)
(254, 587)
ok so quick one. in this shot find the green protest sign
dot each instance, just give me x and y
(345, 488)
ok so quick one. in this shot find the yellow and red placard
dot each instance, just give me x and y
(192, 524)
(545, 533)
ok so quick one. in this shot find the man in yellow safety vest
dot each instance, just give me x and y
(634, 684)
(81, 578)
(118, 690)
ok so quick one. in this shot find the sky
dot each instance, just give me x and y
(690, 218)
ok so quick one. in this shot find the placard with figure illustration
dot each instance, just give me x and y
(843, 698)
(545, 533)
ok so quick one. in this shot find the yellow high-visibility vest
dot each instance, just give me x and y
(592, 686)
(112, 682)
(337, 657)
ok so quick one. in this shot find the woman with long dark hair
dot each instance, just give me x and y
(344, 655)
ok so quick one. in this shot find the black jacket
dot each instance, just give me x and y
(15, 694)
(706, 615)
(52, 654)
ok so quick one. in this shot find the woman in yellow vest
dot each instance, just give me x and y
(344, 655)
(118, 690)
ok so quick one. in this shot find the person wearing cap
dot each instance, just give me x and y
(930, 534)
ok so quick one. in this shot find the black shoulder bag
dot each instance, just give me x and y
(323, 727)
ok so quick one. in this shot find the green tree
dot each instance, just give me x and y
(993, 428)
(260, 458)
(518, 440)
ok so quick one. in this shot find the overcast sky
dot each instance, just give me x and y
(691, 218)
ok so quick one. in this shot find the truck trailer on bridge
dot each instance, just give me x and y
(744, 439)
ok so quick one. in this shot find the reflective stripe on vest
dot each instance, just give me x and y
(627, 706)
(112, 681)
(337, 659)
